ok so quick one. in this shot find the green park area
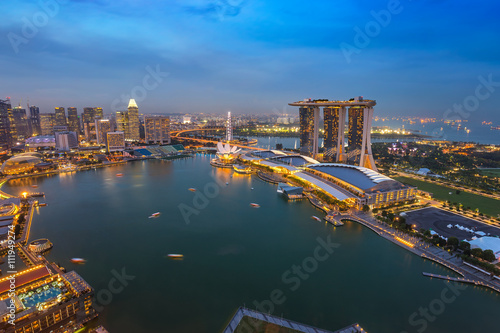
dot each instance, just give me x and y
(491, 172)
(485, 205)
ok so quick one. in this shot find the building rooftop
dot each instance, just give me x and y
(360, 177)
(294, 160)
(26, 276)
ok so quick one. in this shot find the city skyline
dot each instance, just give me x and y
(252, 56)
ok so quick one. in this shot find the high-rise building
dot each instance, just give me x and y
(90, 132)
(229, 128)
(355, 133)
(88, 115)
(5, 134)
(309, 117)
(47, 123)
(115, 141)
(73, 121)
(157, 129)
(66, 141)
(102, 127)
(60, 116)
(21, 123)
(122, 124)
(133, 119)
(35, 120)
(360, 113)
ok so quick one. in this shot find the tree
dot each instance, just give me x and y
(457, 191)
(366, 208)
(488, 255)
(427, 233)
(384, 213)
(477, 252)
(453, 241)
(464, 246)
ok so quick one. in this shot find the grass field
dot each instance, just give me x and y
(486, 205)
(491, 172)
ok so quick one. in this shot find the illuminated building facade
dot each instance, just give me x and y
(157, 129)
(60, 116)
(73, 121)
(35, 120)
(66, 298)
(133, 120)
(115, 141)
(308, 118)
(5, 137)
(21, 123)
(66, 141)
(102, 127)
(47, 123)
(229, 128)
(360, 113)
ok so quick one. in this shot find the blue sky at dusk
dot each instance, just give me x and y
(253, 56)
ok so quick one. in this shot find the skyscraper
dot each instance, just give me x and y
(115, 141)
(157, 129)
(122, 124)
(5, 134)
(88, 115)
(133, 119)
(308, 118)
(66, 141)
(60, 116)
(355, 134)
(334, 124)
(102, 127)
(73, 121)
(360, 113)
(35, 120)
(21, 123)
(229, 128)
(47, 123)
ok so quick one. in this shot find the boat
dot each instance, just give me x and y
(254, 205)
(34, 186)
(119, 175)
(42, 204)
(175, 256)
(252, 188)
(227, 183)
(316, 218)
(495, 128)
(192, 189)
(155, 215)
(79, 261)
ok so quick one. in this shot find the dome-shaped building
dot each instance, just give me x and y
(21, 163)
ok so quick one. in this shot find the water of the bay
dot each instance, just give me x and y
(235, 255)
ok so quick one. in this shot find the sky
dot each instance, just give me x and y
(438, 58)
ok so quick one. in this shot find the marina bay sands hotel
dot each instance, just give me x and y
(359, 112)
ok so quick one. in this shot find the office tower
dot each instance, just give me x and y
(102, 127)
(90, 132)
(35, 120)
(309, 117)
(98, 113)
(47, 123)
(133, 120)
(73, 121)
(115, 141)
(66, 141)
(88, 115)
(157, 129)
(5, 134)
(122, 124)
(60, 116)
(21, 123)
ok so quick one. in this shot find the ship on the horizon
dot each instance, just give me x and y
(495, 128)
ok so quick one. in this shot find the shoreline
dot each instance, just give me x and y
(469, 273)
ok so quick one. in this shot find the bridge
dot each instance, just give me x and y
(177, 135)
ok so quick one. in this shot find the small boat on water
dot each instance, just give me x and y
(119, 175)
(34, 186)
(155, 215)
(175, 256)
(227, 183)
(254, 205)
(42, 204)
(316, 218)
(192, 189)
(79, 261)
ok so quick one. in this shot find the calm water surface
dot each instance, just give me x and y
(234, 255)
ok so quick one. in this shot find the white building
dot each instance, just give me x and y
(66, 141)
